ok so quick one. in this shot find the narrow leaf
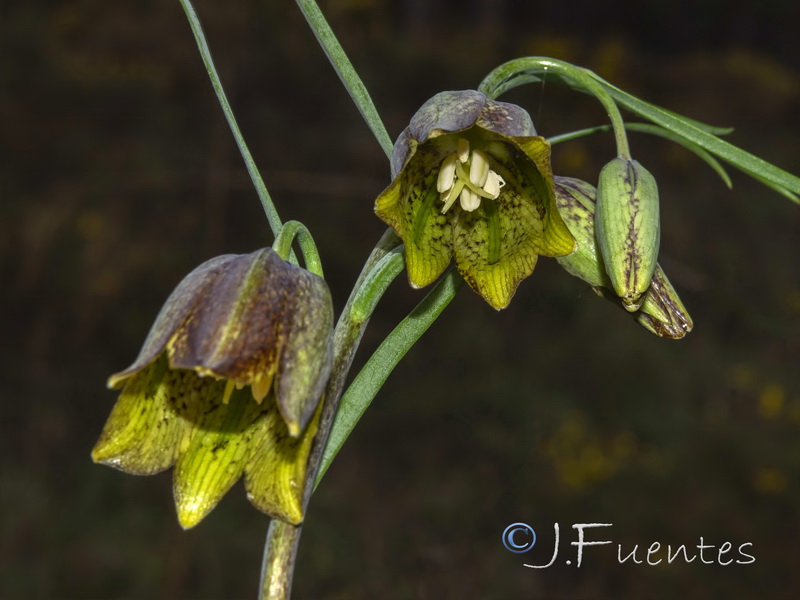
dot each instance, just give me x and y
(756, 167)
(250, 163)
(652, 130)
(380, 365)
(527, 70)
(344, 68)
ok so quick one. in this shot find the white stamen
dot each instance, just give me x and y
(479, 169)
(447, 173)
(226, 395)
(469, 200)
(493, 184)
(260, 387)
(454, 183)
(463, 150)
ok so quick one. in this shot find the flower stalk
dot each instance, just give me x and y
(283, 245)
(280, 553)
(283, 538)
(529, 69)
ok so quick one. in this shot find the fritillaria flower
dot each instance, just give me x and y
(472, 182)
(228, 383)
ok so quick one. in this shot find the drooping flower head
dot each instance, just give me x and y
(227, 384)
(473, 182)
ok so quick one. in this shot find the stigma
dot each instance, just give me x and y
(466, 176)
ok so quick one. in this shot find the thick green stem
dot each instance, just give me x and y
(381, 268)
(280, 551)
(282, 539)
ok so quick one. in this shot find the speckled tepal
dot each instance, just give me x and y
(472, 182)
(227, 384)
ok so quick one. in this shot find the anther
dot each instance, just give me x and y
(447, 174)
(479, 169)
(462, 149)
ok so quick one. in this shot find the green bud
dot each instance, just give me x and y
(575, 201)
(627, 228)
(661, 311)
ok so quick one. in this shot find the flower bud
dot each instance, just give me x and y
(661, 311)
(627, 228)
(575, 200)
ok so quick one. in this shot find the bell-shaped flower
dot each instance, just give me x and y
(472, 182)
(228, 383)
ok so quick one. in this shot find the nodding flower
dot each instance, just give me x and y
(473, 182)
(228, 383)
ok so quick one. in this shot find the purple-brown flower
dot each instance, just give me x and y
(228, 383)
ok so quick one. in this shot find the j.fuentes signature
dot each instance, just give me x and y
(521, 537)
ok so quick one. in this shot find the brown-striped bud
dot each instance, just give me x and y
(627, 228)
(661, 311)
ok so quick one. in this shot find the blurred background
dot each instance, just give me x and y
(119, 176)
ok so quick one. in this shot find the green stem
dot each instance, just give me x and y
(527, 70)
(623, 151)
(380, 365)
(280, 552)
(282, 539)
(530, 68)
(378, 272)
(266, 201)
(346, 338)
(773, 177)
(652, 130)
(344, 68)
(283, 245)
(375, 283)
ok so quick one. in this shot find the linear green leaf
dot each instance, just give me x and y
(535, 69)
(653, 130)
(525, 70)
(344, 68)
(754, 166)
(372, 376)
(205, 52)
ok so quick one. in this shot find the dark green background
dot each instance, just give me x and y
(119, 176)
